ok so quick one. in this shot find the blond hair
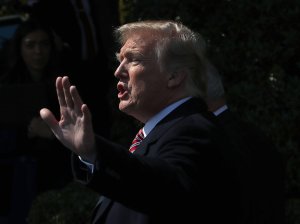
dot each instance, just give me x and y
(177, 48)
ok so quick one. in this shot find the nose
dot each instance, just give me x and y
(121, 71)
(38, 48)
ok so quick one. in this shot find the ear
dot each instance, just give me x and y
(176, 78)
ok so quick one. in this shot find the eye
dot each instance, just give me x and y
(135, 60)
(45, 44)
(29, 45)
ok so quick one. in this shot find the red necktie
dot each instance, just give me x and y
(137, 140)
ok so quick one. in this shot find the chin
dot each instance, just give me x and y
(123, 106)
(126, 108)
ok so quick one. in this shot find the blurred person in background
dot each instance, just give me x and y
(261, 167)
(32, 62)
(85, 28)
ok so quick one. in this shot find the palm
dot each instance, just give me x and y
(74, 129)
(71, 132)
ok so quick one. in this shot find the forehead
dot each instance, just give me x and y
(140, 42)
(38, 35)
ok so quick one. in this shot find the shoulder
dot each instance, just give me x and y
(188, 128)
(191, 115)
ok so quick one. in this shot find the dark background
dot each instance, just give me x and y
(255, 44)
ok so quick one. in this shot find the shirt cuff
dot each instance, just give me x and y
(89, 165)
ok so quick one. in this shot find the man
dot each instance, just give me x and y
(261, 166)
(184, 170)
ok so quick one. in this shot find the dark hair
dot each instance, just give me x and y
(13, 59)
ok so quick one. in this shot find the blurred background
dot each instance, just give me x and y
(253, 43)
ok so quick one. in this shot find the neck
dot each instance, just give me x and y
(36, 75)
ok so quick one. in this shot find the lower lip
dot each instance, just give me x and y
(122, 96)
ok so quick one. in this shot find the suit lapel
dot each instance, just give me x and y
(194, 105)
(101, 210)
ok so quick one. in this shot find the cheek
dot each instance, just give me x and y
(24, 53)
(46, 58)
(26, 58)
(46, 52)
(145, 82)
(137, 90)
(136, 82)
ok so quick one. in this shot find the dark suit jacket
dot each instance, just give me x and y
(261, 170)
(184, 171)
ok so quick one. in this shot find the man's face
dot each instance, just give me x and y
(142, 86)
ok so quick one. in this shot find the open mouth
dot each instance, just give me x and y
(123, 90)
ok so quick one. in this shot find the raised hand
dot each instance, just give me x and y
(74, 129)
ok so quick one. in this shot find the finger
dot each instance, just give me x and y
(50, 119)
(66, 87)
(76, 99)
(60, 93)
(86, 112)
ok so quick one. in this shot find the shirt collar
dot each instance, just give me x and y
(220, 110)
(151, 123)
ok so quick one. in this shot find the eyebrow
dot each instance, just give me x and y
(28, 40)
(117, 54)
(132, 53)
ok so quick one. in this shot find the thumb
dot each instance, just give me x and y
(49, 118)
